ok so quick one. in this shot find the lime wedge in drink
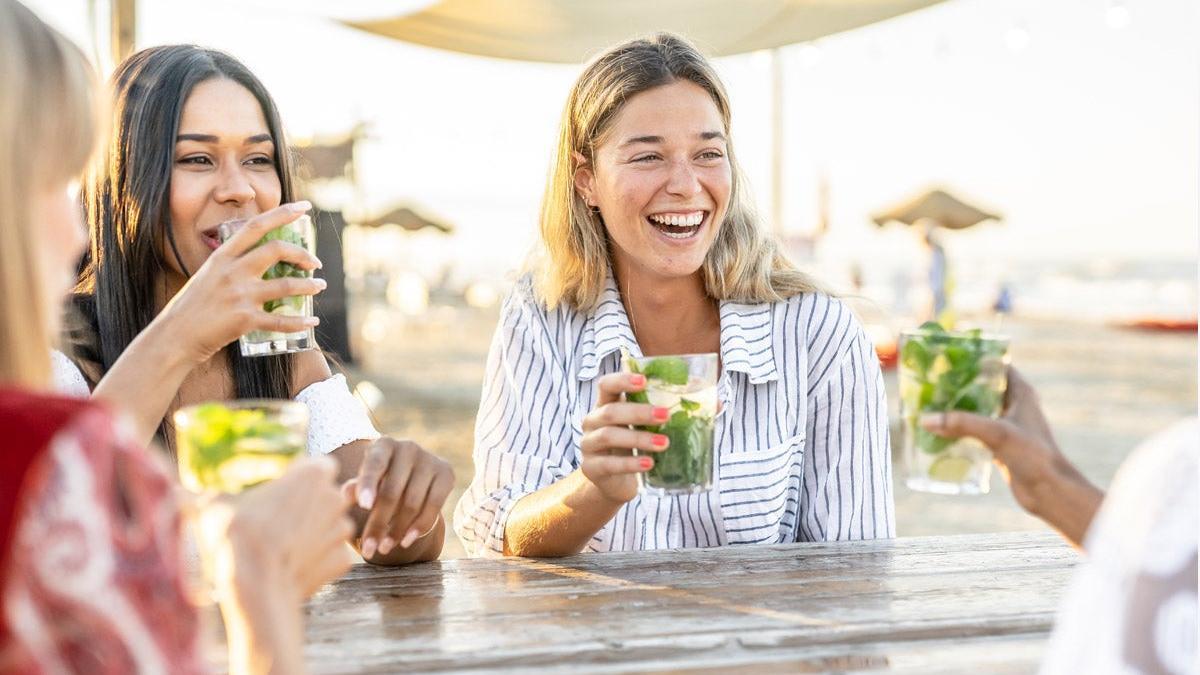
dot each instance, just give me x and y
(950, 469)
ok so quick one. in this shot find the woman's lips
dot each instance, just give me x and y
(210, 238)
(678, 227)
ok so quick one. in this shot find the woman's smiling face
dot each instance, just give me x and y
(224, 168)
(661, 180)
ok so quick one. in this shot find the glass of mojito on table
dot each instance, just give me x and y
(264, 343)
(941, 371)
(230, 446)
(687, 387)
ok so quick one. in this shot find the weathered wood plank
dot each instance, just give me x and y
(895, 606)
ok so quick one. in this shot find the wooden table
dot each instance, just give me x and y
(978, 603)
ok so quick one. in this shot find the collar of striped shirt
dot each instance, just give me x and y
(747, 342)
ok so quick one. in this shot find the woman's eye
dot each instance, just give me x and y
(645, 158)
(195, 159)
(711, 154)
(261, 161)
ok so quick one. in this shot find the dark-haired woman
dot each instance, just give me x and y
(197, 140)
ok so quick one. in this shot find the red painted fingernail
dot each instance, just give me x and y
(662, 414)
(660, 441)
(646, 462)
(637, 380)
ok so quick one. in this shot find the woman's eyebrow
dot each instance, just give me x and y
(209, 138)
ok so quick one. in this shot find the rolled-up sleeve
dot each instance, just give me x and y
(523, 439)
(846, 484)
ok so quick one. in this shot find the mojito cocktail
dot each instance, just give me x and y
(942, 371)
(687, 387)
(234, 445)
(263, 343)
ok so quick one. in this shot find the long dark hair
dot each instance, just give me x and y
(128, 210)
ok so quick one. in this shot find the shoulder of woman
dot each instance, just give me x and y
(309, 368)
(820, 315)
(32, 420)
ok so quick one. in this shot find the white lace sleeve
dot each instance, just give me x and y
(68, 380)
(336, 417)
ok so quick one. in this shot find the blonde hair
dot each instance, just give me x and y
(572, 261)
(48, 122)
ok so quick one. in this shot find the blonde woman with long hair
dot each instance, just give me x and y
(649, 244)
(91, 579)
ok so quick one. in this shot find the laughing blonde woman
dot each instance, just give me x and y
(649, 243)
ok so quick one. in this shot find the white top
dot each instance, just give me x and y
(336, 417)
(1131, 607)
(802, 445)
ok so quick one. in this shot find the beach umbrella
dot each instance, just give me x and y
(938, 206)
(570, 31)
(408, 220)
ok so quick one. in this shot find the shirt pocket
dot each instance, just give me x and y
(758, 491)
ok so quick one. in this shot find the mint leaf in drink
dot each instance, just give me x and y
(281, 270)
(915, 355)
(690, 406)
(669, 369)
(931, 327)
(632, 366)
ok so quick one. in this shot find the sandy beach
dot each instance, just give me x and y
(1104, 389)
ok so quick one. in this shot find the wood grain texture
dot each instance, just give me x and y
(923, 605)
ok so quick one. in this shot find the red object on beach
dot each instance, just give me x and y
(888, 354)
(1161, 324)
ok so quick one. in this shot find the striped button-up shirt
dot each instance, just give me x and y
(802, 445)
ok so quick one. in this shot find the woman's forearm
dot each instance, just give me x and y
(263, 628)
(146, 378)
(1068, 502)
(560, 519)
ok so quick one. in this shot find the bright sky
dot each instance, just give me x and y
(1085, 138)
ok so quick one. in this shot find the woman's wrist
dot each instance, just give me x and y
(262, 616)
(1066, 500)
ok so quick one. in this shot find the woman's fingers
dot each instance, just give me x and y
(996, 434)
(611, 386)
(249, 235)
(274, 289)
(258, 261)
(391, 489)
(439, 490)
(625, 414)
(599, 467)
(282, 323)
(605, 439)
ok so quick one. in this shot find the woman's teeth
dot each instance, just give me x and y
(678, 226)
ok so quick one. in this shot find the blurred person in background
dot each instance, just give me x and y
(196, 140)
(91, 578)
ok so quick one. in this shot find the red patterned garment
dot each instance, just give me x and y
(91, 575)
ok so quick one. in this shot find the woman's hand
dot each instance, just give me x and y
(286, 537)
(1042, 480)
(224, 299)
(608, 442)
(268, 549)
(401, 488)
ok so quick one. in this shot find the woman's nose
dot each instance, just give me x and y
(234, 186)
(682, 180)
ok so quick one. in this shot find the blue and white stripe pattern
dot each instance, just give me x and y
(802, 443)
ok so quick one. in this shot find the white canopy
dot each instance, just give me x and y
(570, 31)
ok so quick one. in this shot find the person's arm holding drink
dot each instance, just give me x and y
(221, 302)
(1043, 481)
(561, 518)
(264, 569)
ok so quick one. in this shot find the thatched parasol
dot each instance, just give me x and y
(938, 206)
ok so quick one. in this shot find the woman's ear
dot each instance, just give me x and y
(585, 179)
